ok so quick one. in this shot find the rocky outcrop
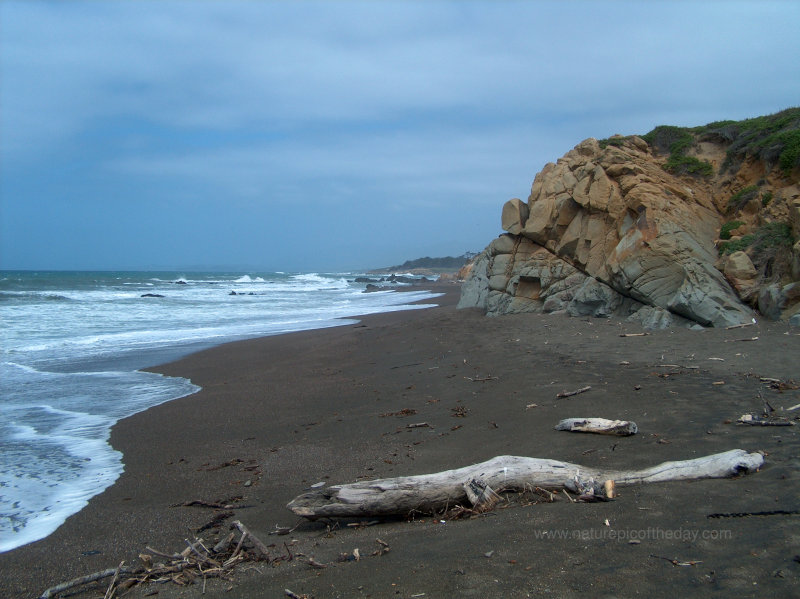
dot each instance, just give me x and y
(614, 229)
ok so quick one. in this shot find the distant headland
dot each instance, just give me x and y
(428, 266)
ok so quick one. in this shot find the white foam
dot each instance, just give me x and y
(56, 457)
(22, 367)
(314, 281)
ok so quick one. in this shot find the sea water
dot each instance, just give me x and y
(71, 348)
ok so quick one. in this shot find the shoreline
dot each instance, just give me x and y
(97, 467)
(285, 412)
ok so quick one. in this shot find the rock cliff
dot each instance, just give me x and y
(679, 226)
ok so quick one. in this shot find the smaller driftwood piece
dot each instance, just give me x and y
(601, 426)
(433, 492)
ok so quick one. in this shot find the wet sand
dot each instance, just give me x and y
(278, 414)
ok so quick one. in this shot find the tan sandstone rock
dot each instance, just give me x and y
(609, 230)
(515, 213)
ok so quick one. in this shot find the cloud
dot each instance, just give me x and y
(404, 106)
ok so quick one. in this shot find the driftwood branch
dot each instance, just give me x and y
(601, 426)
(740, 326)
(254, 539)
(65, 586)
(763, 421)
(571, 393)
(431, 492)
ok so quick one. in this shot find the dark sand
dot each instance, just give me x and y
(286, 412)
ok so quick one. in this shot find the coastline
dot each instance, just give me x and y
(284, 412)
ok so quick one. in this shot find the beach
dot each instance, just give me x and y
(279, 414)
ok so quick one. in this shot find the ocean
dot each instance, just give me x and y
(71, 348)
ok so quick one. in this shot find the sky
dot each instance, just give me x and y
(338, 135)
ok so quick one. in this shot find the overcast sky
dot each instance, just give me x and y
(338, 135)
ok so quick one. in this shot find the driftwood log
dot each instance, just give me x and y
(432, 492)
(601, 426)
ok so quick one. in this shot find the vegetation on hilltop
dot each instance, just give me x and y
(773, 138)
(678, 141)
(447, 262)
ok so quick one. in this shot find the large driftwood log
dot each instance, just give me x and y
(602, 426)
(431, 492)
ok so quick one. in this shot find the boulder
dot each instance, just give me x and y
(738, 267)
(771, 301)
(515, 213)
(475, 288)
(776, 301)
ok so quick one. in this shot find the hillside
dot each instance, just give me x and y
(678, 226)
(427, 265)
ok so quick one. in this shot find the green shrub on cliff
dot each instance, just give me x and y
(681, 164)
(740, 199)
(790, 155)
(775, 234)
(678, 141)
(725, 232)
(768, 237)
(611, 141)
(668, 138)
(737, 245)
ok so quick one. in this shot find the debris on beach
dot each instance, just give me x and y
(601, 426)
(779, 385)
(754, 420)
(400, 413)
(197, 562)
(383, 548)
(677, 562)
(564, 394)
(482, 379)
